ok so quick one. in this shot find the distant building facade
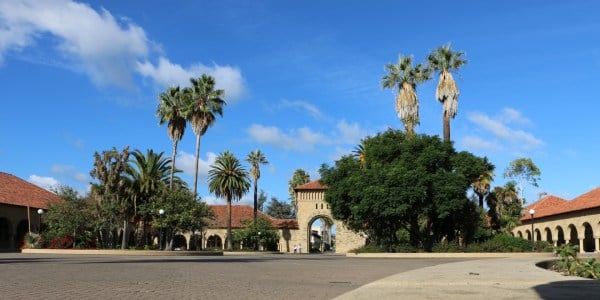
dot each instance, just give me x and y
(559, 221)
(19, 205)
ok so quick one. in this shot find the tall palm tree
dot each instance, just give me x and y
(481, 186)
(228, 179)
(148, 174)
(256, 158)
(445, 60)
(206, 102)
(404, 78)
(173, 109)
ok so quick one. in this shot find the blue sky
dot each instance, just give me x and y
(302, 82)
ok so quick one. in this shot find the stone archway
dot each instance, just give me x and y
(311, 206)
(321, 235)
(548, 235)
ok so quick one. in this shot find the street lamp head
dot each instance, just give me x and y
(532, 211)
(40, 211)
(161, 211)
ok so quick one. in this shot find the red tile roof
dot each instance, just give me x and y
(16, 191)
(551, 205)
(313, 185)
(240, 213)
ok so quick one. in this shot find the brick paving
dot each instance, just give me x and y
(44, 276)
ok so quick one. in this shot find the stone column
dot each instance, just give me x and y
(581, 250)
(596, 244)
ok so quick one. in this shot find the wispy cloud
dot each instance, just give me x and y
(304, 138)
(303, 105)
(502, 134)
(300, 139)
(109, 50)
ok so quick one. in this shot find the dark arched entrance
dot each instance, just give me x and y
(549, 235)
(5, 233)
(560, 238)
(588, 240)
(321, 235)
(573, 239)
(214, 241)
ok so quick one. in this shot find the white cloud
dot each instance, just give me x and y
(511, 115)
(109, 50)
(517, 138)
(311, 109)
(350, 133)
(166, 73)
(44, 182)
(101, 46)
(474, 142)
(301, 139)
(187, 163)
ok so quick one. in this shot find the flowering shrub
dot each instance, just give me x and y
(64, 242)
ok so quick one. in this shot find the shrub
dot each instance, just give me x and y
(506, 243)
(32, 241)
(64, 242)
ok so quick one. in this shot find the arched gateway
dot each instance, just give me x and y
(331, 234)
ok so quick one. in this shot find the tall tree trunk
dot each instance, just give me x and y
(446, 127)
(229, 237)
(255, 200)
(124, 238)
(197, 159)
(173, 164)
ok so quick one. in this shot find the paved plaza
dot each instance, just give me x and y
(286, 276)
(278, 276)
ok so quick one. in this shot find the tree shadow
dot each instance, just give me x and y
(569, 289)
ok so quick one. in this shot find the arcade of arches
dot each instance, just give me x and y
(559, 221)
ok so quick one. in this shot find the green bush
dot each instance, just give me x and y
(506, 243)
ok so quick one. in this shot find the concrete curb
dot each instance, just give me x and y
(455, 255)
(121, 252)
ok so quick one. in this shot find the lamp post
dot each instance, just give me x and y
(161, 212)
(532, 212)
(40, 213)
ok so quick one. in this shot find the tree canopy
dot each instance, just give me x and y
(416, 186)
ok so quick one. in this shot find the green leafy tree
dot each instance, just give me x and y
(149, 174)
(173, 108)
(260, 233)
(300, 177)
(112, 191)
(505, 207)
(280, 210)
(182, 212)
(256, 158)
(444, 60)
(523, 170)
(69, 221)
(403, 77)
(417, 185)
(228, 179)
(206, 103)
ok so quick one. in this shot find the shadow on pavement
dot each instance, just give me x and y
(569, 289)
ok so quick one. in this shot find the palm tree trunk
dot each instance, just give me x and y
(446, 127)
(124, 239)
(173, 164)
(229, 237)
(197, 159)
(255, 200)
